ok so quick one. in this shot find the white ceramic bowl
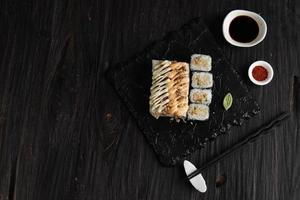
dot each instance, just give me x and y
(267, 66)
(261, 25)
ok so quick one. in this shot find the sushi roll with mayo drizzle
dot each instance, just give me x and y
(170, 89)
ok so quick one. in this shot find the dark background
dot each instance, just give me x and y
(64, 133)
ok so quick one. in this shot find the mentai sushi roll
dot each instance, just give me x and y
(198, 112)
(202, 80)
(200, 62)
(202, 96)
(170, 89)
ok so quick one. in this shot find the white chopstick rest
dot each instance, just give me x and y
(198, 181)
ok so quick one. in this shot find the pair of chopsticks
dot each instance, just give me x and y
(248, 139)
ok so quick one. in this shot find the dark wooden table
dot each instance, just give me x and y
(64, 133)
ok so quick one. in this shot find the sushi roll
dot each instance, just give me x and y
(198, 112)
(202, 96)
(169, 92)
(202, 80)
(200, 62)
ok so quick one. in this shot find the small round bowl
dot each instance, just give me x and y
(267, 66)
(262, 27)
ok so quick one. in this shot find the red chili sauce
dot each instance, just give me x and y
(259, 73)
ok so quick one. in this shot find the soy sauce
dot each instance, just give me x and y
(243, 29)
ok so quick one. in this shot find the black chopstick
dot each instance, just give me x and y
(248, 139)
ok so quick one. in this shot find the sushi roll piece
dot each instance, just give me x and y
(198, 112)
(202, 96)
(200, 62)
(202, 80)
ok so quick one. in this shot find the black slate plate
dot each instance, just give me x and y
(170, 140)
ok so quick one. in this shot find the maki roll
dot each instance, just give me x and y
(198, 112)
(202, 96)
(202, 80)
(200, 62)
(170, 89)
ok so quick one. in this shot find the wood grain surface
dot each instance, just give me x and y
(64, 133)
